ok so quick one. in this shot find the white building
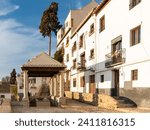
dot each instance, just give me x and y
(69, 37)
(119, 64)
(123, 56)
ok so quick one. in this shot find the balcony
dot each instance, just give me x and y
(115, 58)
(81, 66)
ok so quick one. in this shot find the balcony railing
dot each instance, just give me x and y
(134, 3)
(115, 58)
(81, 66)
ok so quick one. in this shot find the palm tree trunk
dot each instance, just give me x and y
(49, 47)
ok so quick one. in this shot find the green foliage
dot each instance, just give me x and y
(59, 55)
(13, 77)
(49, 20)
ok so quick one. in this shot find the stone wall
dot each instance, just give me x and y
(76, 95)
(105, 101)
(140, 96)
(6, 106)
(83, 97)
(68, 94)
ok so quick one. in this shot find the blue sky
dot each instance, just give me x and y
(20, 39)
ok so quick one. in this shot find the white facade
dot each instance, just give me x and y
(119, 20)
(121, 50)
(66, 38)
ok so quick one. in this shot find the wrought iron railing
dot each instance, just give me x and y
(115, 58)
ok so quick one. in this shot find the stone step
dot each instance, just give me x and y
(43, 103)
(124, 102)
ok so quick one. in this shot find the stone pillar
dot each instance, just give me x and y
(62, 100)
(50, 86)
(26, 84)
(55, 83)
(62, 85)
(26, 89)
(58, 86)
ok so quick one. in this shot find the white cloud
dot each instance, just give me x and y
(18, 43)
(6, 7)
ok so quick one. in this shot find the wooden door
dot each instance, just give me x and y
(116, 83)
(92, 88)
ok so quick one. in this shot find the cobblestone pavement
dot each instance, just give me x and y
(76, 107)
(71, 107)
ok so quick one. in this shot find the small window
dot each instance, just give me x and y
(92, 29)
(102, 24)
(133, 3)
(82, 81)
(102, 78)
(74, 82)
(67, 42)
(21, 87)
(81, 41)
(67, 57)
(135, 36)
(74, 64)
(2, 96)
(32, 81)
(92, 54)
(82, 59)
(134, 74)
(72, 22)
(74, 47)
(66, 24)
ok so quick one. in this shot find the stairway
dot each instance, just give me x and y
(44, 91)
(42, 98)
(124, 102)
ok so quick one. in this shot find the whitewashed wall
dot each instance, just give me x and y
(119, 20)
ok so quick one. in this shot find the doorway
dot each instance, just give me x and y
(92, 87)
(115, 90)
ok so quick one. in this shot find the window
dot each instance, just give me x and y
(92, 78)
(72, 22)
(133, 3)
(74, 82)
(92, 29)
(67, 42)
(74, 48)
(102, 78)
(32, 81)
(81, 41)
(2, 96)
(66, 24)
(135, 36)
(134, 74)
(102, 24)
(21, 87)
(74, 64)
(82, 58)
(92, 54)
(67, 57)
(82, 81)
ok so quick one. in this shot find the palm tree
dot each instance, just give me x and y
(49, 23)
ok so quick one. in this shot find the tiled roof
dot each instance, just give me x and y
(43, 60)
